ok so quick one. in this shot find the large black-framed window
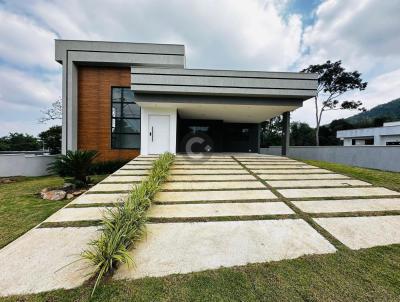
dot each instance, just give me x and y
(125, 119)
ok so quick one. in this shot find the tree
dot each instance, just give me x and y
(301, 134)
(271, 132)
(52, 139)
(53, 113)
(333, 82)
(19, 142)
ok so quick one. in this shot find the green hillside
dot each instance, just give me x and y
(389, 112)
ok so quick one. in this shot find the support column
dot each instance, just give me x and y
(285, 133)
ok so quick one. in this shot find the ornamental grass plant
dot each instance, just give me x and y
(124, 224)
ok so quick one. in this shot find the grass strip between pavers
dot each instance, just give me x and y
(356, 214)
(220, 218)
(214, 201)
(93, 205)
(125, 224)
(213, 189)
(66, 224)
(303, 215)
(340, 197)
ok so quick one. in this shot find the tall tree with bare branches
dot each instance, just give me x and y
(333, 82)
(53, 113)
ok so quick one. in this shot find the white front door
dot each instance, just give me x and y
(158, 134)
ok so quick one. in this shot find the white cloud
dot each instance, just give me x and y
(24, 43)
(363, 33)
(20, 90)
(249, 34)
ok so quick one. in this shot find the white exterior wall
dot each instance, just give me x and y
(388, 133)
(144, 123)
(24, 164)
(389, 138)
(347, 142)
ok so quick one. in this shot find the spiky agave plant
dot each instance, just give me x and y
(74, 164)
(125, 224)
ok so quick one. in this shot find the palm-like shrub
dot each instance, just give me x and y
(125, 223)
(75, 164)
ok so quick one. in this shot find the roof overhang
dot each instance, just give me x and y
(231, 96)
(180, 81)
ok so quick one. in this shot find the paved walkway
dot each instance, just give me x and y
(224, 210)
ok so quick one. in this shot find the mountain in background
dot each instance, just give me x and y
(386, 112)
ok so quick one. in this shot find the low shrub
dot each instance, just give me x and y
(125, 224)
(75, 164)
(107, 167)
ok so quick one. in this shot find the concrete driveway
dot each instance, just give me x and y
(225, 210)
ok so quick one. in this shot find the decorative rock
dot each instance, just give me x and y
(53, 195)
(44, 191)
(76, 193)
(70, 196)
(68, 186)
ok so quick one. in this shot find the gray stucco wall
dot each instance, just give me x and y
(375, 157)
(24, 164)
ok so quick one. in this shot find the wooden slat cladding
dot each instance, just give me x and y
(94, 109)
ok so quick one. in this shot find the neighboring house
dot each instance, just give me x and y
(123, 99)
(388, 134)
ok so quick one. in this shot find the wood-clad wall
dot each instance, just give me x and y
(94, 110)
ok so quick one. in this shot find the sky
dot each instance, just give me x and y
(270, 35)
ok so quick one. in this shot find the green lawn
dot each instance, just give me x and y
(21, 207)
(390, 180)
(365, 275)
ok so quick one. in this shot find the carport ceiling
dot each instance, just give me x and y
(226, 112)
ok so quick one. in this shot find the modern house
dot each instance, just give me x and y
(123, 99)
(387, 135)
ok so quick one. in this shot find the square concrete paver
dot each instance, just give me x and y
(219, 209)
(316, 183)
(337, 192)
(78, 214)
(114, 187)
(363, 232)
(121, 178)
(45, 259)
(215, 185)
(136, 167)
(202, 163)
(208, 171)
(205, 166)
(210, 177)
(232, 195)
(177, 248)
(296, 166)
(140, 162)
(302, 176)
(131, 172)
(349, 205)
(290, 171)
(100, 198)
(269, 161)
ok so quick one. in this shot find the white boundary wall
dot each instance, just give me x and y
(24, 164)
(375, 157)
